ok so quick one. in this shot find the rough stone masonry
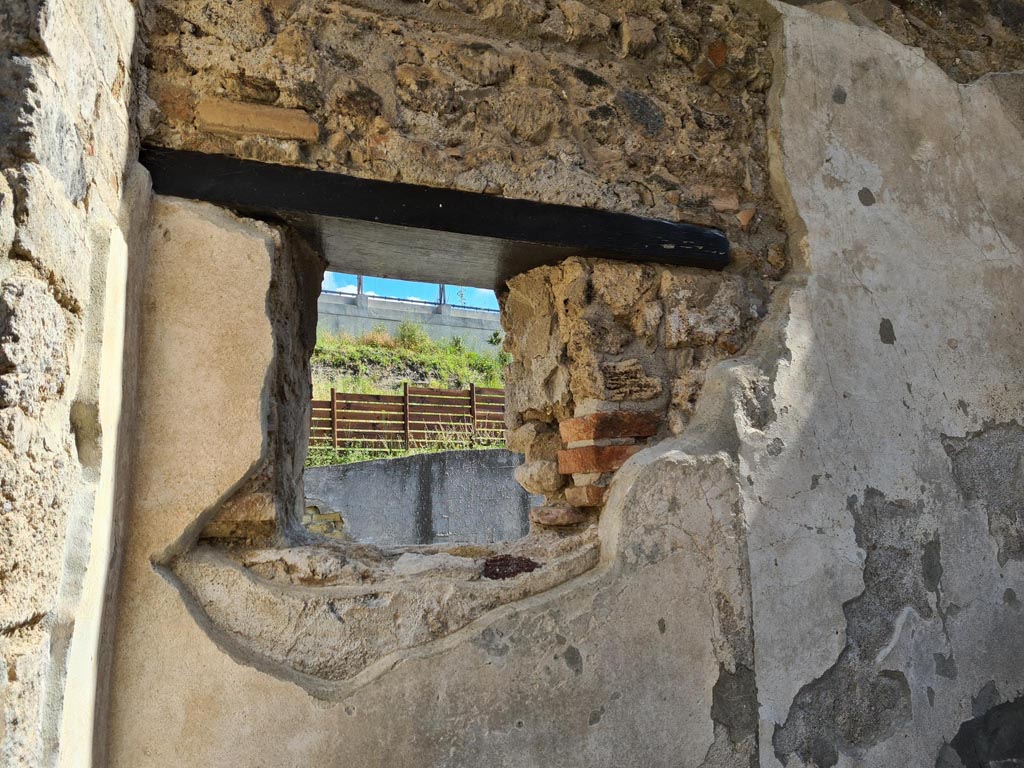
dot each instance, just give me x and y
(783, 524)
(70, 248)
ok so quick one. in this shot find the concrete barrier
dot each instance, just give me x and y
(448, 497)
(342, 313)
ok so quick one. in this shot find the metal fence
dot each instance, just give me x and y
(419, 416)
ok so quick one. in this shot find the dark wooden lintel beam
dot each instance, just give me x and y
(272, 190)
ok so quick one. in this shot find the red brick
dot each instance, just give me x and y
(595, 458)
(718, 53)
(598, 426)
(557, 514)
(586, 495)
(242, 119)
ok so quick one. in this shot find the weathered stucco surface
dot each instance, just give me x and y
(274, 647)
(885, 491)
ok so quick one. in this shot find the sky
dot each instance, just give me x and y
(405, 289)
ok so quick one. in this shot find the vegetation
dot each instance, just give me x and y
(322, 456)
(379, 362)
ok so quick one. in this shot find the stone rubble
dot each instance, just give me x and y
(606, 357)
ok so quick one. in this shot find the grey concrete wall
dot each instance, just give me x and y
(338, 313)
(448, 497)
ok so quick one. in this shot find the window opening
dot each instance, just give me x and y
(407, 431)
(332, 604)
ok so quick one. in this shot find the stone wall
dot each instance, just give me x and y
(607, 356)
(69, 201)
(626, 106)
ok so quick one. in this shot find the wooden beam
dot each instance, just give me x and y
(503, 235)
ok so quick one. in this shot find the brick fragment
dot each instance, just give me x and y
(718, 52)
(557, 515)
(745, 216)
(599, 426)
(595, 458)
(586, 495)
(241, 119)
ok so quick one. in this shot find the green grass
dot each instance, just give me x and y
(451, 439)
(379, 363)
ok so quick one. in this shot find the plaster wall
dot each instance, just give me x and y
(895, 378)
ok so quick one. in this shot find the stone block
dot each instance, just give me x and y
(746, 215)
(622, 286)
(20, 23)
(595, 458)
(283, 7)
(241, 119)
(33, 346)
(586, 495)
(174, 101)
(37, 122)
(599, 426)
(557, 515)
(638, 35)
(539, 477)
(583, 22)
(50, 234)
(646, 321)
(718, 53)
(6, 218)
(701, 311)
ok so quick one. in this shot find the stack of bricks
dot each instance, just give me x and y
(596, 446)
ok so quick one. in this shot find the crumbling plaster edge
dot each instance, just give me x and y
(769, 348)
(332, 692)
(163, 562)
(718, 428)
(229, 220)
